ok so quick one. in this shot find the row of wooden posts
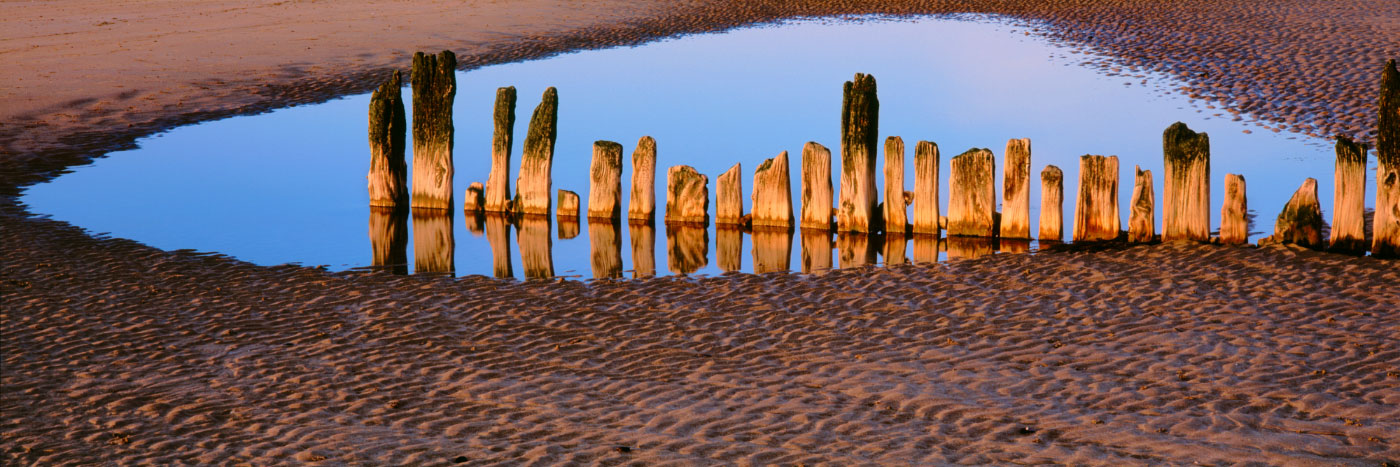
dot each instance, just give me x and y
(972, 202)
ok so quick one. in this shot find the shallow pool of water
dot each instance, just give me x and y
(289, 185)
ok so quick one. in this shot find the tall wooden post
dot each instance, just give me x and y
(1349, 198)
(729, 197)
(926, 210)
(388, 173)
(816, 186)
(896, 213)
(1016, 190)
(642, 205)
(860, 114)
(533, 184)
(1386, 230)
(1186, 185)
(434, 88)
(502, 138)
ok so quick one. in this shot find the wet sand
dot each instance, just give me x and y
(116, 352)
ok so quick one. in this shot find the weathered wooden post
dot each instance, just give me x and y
(388, 173)
(1234, 220)
(729, 241)
(605, 244)
(388, 238)
(729, 197)
(816, 250)
(816, 186)
(855, 249)
(687, 196)
(896, 213)
(502, 137)
(642, 206)
(605, 189)
(434, 88)
(687, 247)
(1142, 215)
(568, 205)
(1186, 186)
(860, 114)
(772, 194)
(498, 235)
(1052, 204)
(643, 236)
(533, 183)
(474, 199)
(536, 247)
(1016, 190)
(972, 194)
(772, 250)
(1300, 223)
(433, 246)
(1386, 223)
(1096, 210)
(926, 210)
(1349, 198)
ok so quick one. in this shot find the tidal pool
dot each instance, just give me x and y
(288, 186)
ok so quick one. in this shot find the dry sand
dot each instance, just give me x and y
(114, 352)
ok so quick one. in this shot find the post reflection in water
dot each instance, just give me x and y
(643, 236)
(816, 250)
(687, 247)
(1007, 245)
(388, 237)
(535, 245)
(433, 245)
(772, 250)
(895, 244)
(605, 238)
(970, 247)
(498, 235)
(927, 247)
(729, 240)
(856, 250)
(568, 228)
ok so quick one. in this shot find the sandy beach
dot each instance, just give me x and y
(119, 353)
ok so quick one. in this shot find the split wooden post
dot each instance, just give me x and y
(433, 247)
(605, 189)
(926, 210)
(816, 186)
(1142, 215)
(972, 194)
(1096, 210)
(1386, 223)
(1016, 190)
(536, 247)
(434, 89)
(643, 236)
(1234, 214)
(388, 238)
(1186, 184)
(1052, 204)
(1349, 198)
(687, 196)
(605, 244)
(729, 197)
(1300, 222)
(568, 205)
(772, 194)
(502, 138)
(896, 215)
(388, 173)
(642, 206)
(474, 199)
(533, 183)
(860, 113)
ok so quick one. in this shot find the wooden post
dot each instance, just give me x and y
(1386, 223)
(1186, 191)
(1142, 217)
(687, 196)
(605, 191)
(533, 183)
(568, 205)
(536, 247)
(388, 173)
(729, 241)
(972, 194)
(687, 247)
(772, 194)
(474, 199)
(896, 215)
(1016, 190)
(855, 249)
(816, 186)
(729, 197)
(502, 138)
(388, 238)
(1349, 198)
(772, 250)
(1096, 210)
(498, 235)
(433, 246)
(1234, 214)
(860, 114)
(643, 236)
(642, 205)
(926, 210)
(605, 243)
(1052, 204)
(1300, 223)
(434, 88)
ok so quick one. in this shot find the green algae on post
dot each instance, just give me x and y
(1300, 223)
(533, 183)
(388, 172)
(1386, 230)
(434, 89)
(1186, 184)
(860, 124)
(502, 138)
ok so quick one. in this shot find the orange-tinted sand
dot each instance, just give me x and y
(114, 352)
